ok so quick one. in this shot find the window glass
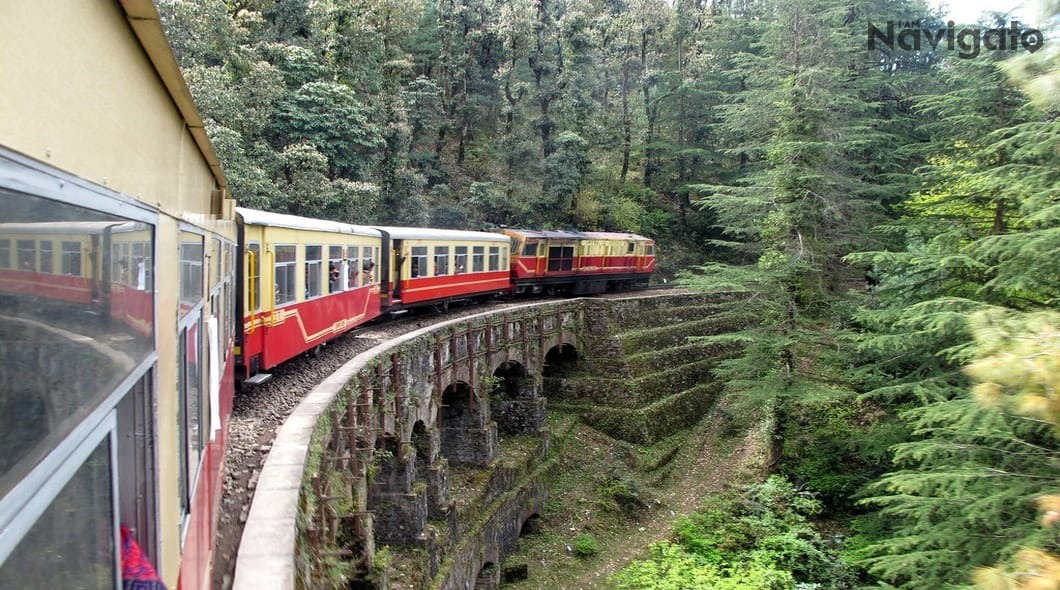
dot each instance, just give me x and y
(418, 261)
(285, 274)
(47, 257)
(190, 409)
(72, 544)
(253, 276)
(650, 251)
(441, 260)
(314, 266)
(67, 340)
(335, 269)
(353, 266)
(27, 255)
(495, 258)
(191, 269)
(478, 255)
(216, 262)
(530, 249)
(560, 258)
(460, 265)
(5, 253)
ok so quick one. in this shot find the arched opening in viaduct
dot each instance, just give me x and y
(487, 578)
(517, 406)
(463, 427)
(512, 381)
(421, 442)
(560, 361)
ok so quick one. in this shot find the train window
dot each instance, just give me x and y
(313, 269)
(530, 249)
(353, 267)
(5, 253)
(253, 276)
(560, 258)
(190, 409)
(650, 250)
(74, 537)
(47, 257)
(191, 270)
(460, 266)
(441, 260)
(418, 261)
(629, 250)
(70, 264)
(495, 258)
(478, 258)
(27, 255)
(216, 260)
(334, 269)
(285, 274)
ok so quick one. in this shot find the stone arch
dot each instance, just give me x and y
(560, 361)
(421, 445)
(467, 435)
(517, 405)
(531, 525)
(488, 577)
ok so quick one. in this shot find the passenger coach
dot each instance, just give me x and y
(579, 262)
(305, 281)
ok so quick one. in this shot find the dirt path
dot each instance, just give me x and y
(707, 464)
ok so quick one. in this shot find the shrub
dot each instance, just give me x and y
(585, 546)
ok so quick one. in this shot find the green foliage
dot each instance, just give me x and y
(757, 537)
(585, 546)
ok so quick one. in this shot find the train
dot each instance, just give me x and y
(135, 297)
(306, 281)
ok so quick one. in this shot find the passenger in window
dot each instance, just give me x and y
(369, 267)
(460, 269)
(333, 279)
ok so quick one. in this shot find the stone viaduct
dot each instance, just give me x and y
(400, 447)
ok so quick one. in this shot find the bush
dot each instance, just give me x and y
(585, 546)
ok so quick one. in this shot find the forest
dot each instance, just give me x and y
(889, 219)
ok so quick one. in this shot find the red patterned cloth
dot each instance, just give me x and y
(136, 572)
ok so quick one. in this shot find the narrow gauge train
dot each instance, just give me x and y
(306, 281)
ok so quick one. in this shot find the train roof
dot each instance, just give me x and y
(266, 218)
(611, 235)
(70, 227)
(426, 233)
(576, 235)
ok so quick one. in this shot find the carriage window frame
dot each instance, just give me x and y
(253, 302)
(336, 261)
(290, 268)
(5, 254)
(314, 271)
(70, 261)
(460, 260)
(478, 258)
(47, 256)
(418, 262)
(21, 248)
(353, 271)
(494, 258)
(441, 261)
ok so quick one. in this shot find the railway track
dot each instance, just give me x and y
(259, 410)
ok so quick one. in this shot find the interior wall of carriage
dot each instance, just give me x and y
(428, 268)
(114, 382)
(304, 287)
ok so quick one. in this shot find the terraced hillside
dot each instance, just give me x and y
(646, 375)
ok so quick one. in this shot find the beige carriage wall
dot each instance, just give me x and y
(92, 88)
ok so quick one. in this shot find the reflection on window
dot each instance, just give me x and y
(190, 410)
(191, 263)
(72, 544)
(419, 261)
(285, 274)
